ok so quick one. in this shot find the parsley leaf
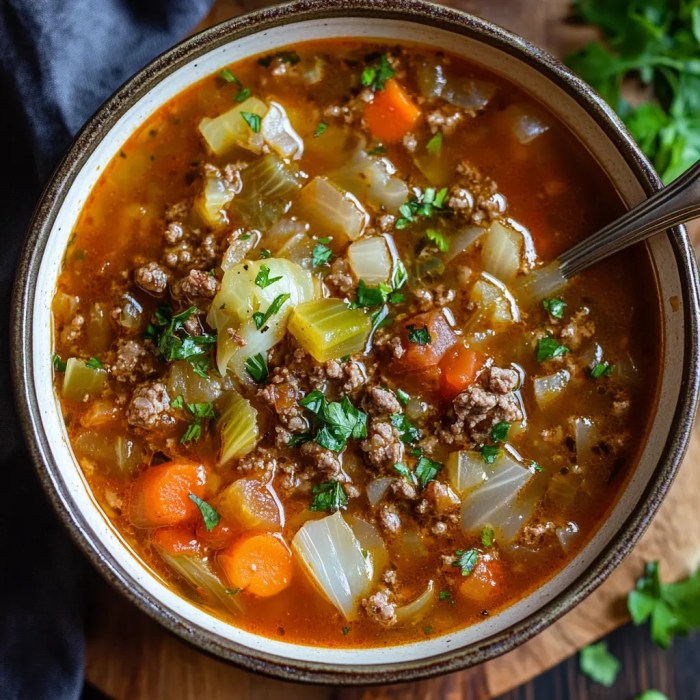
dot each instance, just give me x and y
(299, 439)
(399, 276)
(256, 367)
(243, 94)
(94, 363)
(434, 146)
(209, 514)
(320, 128)
(408, 432)
(345, 630)
(487, 536)
(260, 319)
(265, 253)
(227, 76)
(200, 412)
(446, 595)
(673, 608)
(403, 397)
(432, 201)
(58, 364)
(328, 496)
(338, 420)
(548, 348)
(321, 254)
(466, 560)
(499, 432)
(596, 662)
(263, 279)
(426, 470)
(554, 306)
(418, 335)
(405, 472)
(438, 238)
(375, 75)
(601, 369)
(252, 120)
(489, 453)
(376, 151)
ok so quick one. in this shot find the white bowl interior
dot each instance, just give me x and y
(497, 61)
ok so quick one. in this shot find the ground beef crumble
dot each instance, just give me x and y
(150, 407)
(380, 609)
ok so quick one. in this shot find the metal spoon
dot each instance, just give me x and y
(675, 204)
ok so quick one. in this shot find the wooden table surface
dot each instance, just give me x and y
(130, 656)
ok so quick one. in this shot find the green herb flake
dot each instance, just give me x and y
(446, 595)
(300, 439)
(407, 431)
(58, 364)
(260, 319)
(418, 334)
(426, 470)
(438, 238)
(227, 76)
(264, 253)
(489, 453)
(399, 276)
(199, 412)
(487, 536)
(601, 369)
(345, 630)
(328, 496)
(535, 468)
(337, 421)
(321, 254)
(554, 306)
(243, 94)
(94, 363)
(596, 662)
(256, 367)
(320, 129)
(403, 397)
(210, 516)
(405, 472)
(252, 120)
(375, 75)
(427, 629)
(434, 146)
(377, 151)
(548, 348)
(430, 203)
(499, 432)
(466, 560)
(263, 279)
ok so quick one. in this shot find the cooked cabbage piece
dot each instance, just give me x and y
(231, 129)
(495, 303)
(279, 134)
(370, 260)
(211, 204)
(238, 427)
(501, 251)
(327, 329)
(81, 381)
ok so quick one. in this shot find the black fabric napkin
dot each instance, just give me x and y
(59, 59)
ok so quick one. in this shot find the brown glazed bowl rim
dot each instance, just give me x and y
(22, 346)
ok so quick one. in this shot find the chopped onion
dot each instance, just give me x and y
(332, 557)
(239, 249)
(547, 388)
(211, 204)
(527, 124)
(416, 409)
(284, 230)
(465, 469)
(468, 93)
(376, 490)
(131, 313)
(591, 356)
(431, 79)
(587, 437)
(495, 302)
(463, 240)
(279, 134)
(626, 370)
(183, 380)
(563, 489)
(501, 251)
(495, 500)
(540, 283)
(566, 535)
(369, 259)
(198, 574)
(413, 612)
(372, 544)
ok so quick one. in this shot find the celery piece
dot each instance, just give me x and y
(230, 128)
(327, 329)
(80, 381)
(238, 428)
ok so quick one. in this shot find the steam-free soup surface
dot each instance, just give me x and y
(301, 366)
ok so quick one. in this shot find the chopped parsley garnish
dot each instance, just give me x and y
(554, 306)
(300, 439)
(328, 496)
(418, 334)
(367, 296)
(165, 333)
(408, 432)
(399, 276)
(252, 120)
(263, 279)
(446, 595)
(200, 412)
(601, 369)
(599, 664)
(375, 75)
(243, 94)
(260, 318)
(227, 76)
(673, 608)
(405, 472)
(265, 253)
(209, 514)
(377, 151)
(256, 367)
(58, 364)
(426, 470)
(535, 468)
(423, 206)
(338, 420)
(548, 348)
(290, 57)
(320, 128)
(438, 238)
(487, 536)
(321, 254)
(466, 560)
(94, 363)
(434, 146)
(345, 630)
(403, 397)
(489, 453)
(499, 432)
(427, 629)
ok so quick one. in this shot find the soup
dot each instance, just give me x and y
(301, 363)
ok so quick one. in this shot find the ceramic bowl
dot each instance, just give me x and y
(391, 20)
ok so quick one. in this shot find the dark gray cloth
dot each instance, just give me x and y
(59, 59)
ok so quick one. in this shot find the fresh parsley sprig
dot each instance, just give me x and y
(328, 496)
(375, 75)
(337, 421)
(424, 205)
(199, 412)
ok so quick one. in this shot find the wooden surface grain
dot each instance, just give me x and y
(130, 656)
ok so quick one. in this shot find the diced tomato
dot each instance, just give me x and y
(441, 337)
(459, 368)
(218, 537)
(176, 540)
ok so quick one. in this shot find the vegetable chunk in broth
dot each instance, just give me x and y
(294, 363)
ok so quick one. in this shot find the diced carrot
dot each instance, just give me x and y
(391, 114)
(218, 537)
(441, 337)
(260, 564)
(176, 540)
(458, 369)
(485, 581)
(160, 497)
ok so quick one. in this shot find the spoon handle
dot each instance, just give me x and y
(672, 205)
